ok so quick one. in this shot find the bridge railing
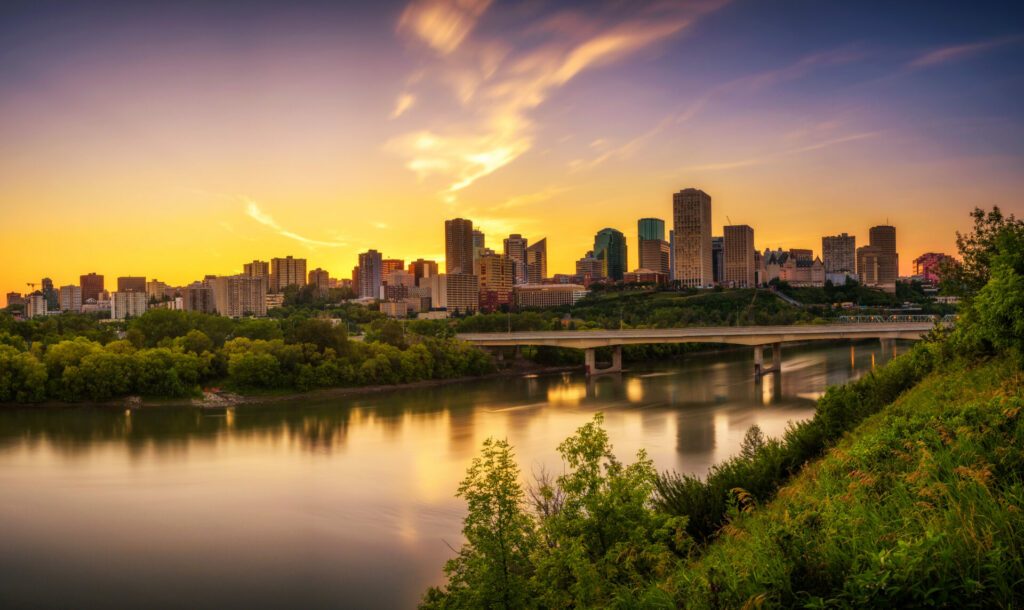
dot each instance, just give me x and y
(894, 318)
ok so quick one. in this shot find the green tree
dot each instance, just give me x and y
(22, 376)
(977, 250)
(999, 305)
(492, 569)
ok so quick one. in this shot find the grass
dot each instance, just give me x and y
(920, 506)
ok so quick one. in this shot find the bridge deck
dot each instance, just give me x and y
(741, 335)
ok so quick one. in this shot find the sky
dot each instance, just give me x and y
(175, 140)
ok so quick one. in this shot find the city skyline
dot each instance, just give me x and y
(188, 138)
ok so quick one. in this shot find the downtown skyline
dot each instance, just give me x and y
(178, 141)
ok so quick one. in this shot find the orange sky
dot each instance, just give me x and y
(172, 143)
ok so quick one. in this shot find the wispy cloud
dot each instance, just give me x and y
(498, 81)
(531, 198)
(253, 211)
(962, 51)
(404, 102)
(761, 160)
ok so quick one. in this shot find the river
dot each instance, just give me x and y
(341, 503)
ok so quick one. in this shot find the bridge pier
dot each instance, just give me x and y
(776, 367)
(590, 361)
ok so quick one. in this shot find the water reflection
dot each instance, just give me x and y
(340, 502)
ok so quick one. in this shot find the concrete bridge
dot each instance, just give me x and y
(758, 337)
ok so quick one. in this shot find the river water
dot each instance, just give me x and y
(340, 503)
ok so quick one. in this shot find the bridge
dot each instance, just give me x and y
(758, 337)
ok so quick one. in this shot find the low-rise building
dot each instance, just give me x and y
(35, 306)
(529, 296)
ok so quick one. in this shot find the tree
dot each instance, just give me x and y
(977, 249)
(22, 377)
(999, 305)
(492, 569)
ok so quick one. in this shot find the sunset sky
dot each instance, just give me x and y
(177, 139)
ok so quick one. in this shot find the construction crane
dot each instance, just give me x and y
(31, 285)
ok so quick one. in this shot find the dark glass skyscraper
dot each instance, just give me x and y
(651, 228)
(610, 249)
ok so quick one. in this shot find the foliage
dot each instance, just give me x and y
(977, 249)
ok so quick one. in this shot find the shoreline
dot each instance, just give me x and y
(226, 399)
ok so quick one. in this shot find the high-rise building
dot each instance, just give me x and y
(515, 249)
(157, 290)
(495, 281)
(131, 283)
(458, 245)
(610, 249)
(691, 220)
(371, 274)
(457, 293)
(70, 298)
(257, 268)
(321, 279)
(49, 293)
(718, 259)
(672, 254)
(129, 303)
(884, 238)
(655, 256)
(15, 298)
(650, 228)
(35, 305)
(869, 264)
(537, 261)
(387, 265)
(839, 253)
(198, 296)
(92, 286)
(235, 296)
(738, 254)
(421, 268)
(286, 272)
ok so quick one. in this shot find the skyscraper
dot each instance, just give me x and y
(869, 264)
(388, 265)
(458, 245)
(321, 279)
(92, 286)
(495, 280)
(691, 219)
(515, 249)
(537, 262)
(738, 254)
(49, 293)
(371, 264)
(286, 272)
(883, 237)
(654, 251)
(840, 253)
(610, 249)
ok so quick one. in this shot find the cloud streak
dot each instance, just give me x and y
(957, 52)
(498, 81)
(253, 211)
(727, 165)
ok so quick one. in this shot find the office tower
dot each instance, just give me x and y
(610, 249)
(286, 272)
(235, 296)
(387, 265)
(49, 293)
(371, 274)
(839, 253)
(198, 296)
(92, 286)
(653, 249)
(884, 238)
(928, 266)
(421, 268)
(129, 303)
(691, 220)
(131, 283)
(869, 265)
(495, 281)
(537, 262)
(35, 306)
(70, 298)
(589, 268)
(320, 279)
(718, 259)
(458, 245)
(515, 249)
(738, 253)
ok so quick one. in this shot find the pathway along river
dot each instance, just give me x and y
(343, 503)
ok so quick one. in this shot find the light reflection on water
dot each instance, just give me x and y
(342, 502)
